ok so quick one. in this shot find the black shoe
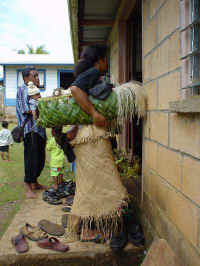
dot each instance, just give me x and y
(119, 241)
(136, 235)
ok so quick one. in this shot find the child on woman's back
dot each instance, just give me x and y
(57, 160)
(5, 141)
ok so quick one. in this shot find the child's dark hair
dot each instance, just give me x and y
(89, 57)
(4, 124)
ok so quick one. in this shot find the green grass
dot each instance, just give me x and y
(12, 191)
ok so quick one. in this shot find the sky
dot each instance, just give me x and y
(35, 22)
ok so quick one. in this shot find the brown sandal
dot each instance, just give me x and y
(51, 228)
(20, 243)
(53, 244)
(33, 233)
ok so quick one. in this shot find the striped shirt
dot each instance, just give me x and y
(22, 107)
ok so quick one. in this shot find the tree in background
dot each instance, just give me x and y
(30, 50)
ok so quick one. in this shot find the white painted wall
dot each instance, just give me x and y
(11, 83)
(51, 81)
(11, 80)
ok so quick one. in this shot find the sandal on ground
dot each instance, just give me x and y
(69, 200)
(33, 233)
(20, 243)
(53, 201)
(51, 228)
(53, 244)
(64, 220)
(66, 209)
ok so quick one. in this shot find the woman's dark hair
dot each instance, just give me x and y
(4, 124)
(89, 56)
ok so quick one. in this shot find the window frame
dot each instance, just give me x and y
(190, 40)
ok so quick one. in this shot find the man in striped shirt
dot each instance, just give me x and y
(34, 136)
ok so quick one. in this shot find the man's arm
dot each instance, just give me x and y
(84, 102)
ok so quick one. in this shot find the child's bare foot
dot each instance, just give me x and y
(55, 186)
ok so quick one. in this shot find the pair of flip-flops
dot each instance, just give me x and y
(40, 235)
(30, 232)
(50, 197)
(21, 245)
(33, 233)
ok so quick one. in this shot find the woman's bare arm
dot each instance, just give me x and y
(84, 102)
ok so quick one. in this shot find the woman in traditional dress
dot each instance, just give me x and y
(100, 196)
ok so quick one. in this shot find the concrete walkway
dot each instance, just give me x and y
(32, 211)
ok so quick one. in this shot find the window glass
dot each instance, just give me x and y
(190, 47)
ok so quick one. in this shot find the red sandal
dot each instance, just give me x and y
(53, 244)
(20, 243)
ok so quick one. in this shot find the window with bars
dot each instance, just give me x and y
(190, 47)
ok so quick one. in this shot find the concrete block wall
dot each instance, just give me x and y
(171, 159)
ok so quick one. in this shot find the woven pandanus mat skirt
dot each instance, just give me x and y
(100, 194)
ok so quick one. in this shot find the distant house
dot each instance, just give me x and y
(53, 73)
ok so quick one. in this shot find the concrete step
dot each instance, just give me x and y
(80, 254)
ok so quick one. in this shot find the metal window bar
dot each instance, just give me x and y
(194, 54)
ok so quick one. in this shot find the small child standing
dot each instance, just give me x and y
(5, 141)
(34, 94)
(57, 160)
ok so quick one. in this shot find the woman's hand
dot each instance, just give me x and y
(99, 120)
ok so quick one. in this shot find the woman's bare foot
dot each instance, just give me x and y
(31, 195)
(37, 186)
(29, 192)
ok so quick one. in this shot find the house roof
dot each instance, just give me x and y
(91, 22)
(33, 59)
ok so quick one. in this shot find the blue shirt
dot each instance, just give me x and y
(22, 107)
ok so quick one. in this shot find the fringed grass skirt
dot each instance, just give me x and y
(100, 194)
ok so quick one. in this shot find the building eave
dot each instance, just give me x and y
(35, 63)
(73, 16)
